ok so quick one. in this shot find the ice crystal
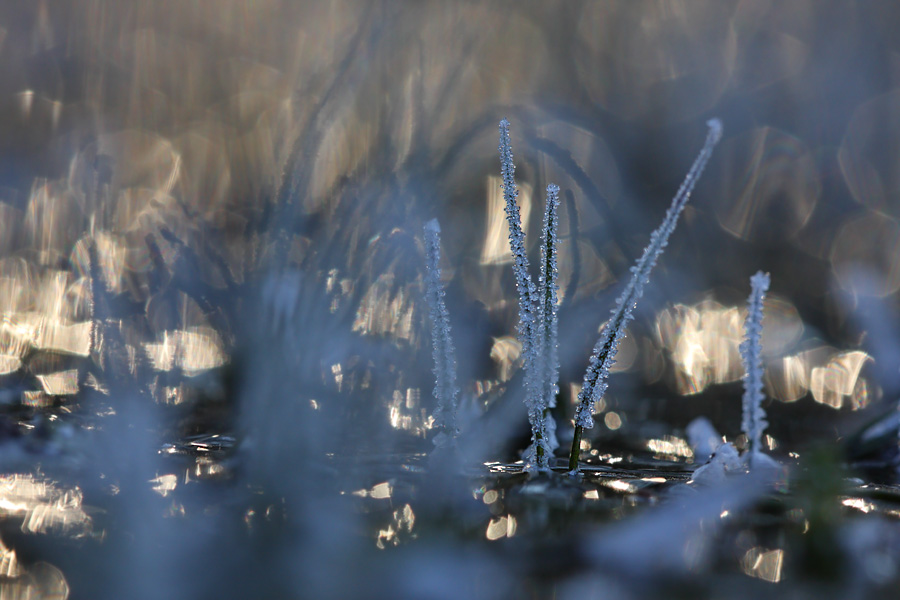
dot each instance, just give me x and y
(604, 352)
(754, 418)
(445, 390)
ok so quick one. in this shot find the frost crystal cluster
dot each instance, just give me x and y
(754, 418)
(537, 327)
(445, 390)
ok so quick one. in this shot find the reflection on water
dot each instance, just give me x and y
(495, 247)
(704, 342)
(838, 380)
(42, 506)
(407, 413)
(671, 447)
(764, 564)
(9, 564)
(164, 484)
(381, 490)
(618, 485)
(612, 420)
(41, 580)
(501, 527)
(505, 352)
(193, 351)
(400, 528)
(384, 312)
(859, 504)
(63, 383)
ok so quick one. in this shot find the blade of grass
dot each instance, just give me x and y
(754, 422)
(537, 310)
(443, 351)
(603, 356)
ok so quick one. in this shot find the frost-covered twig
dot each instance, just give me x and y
(754, 422)
(604, 353)
(530, 307)
(445, 390)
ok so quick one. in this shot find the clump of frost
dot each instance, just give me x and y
(703, 438)
(754, 421)
(725, 460)
(603, 356)
(443, 351)
(537, 328)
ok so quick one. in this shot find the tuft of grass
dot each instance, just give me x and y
(538, 307)
(537, 311)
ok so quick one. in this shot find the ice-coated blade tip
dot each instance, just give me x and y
(715, 128)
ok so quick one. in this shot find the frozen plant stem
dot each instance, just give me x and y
(533, 318)
(754, 422)
(445, 390)
(604, 352)
(547, 284)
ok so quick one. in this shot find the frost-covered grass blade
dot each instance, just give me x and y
(604, 352)
(549, 330)
(754, 422)
(445, 390)
(537, 312)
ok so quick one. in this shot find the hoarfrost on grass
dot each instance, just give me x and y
(754, 422)
(443, 351)
(549, 308)
(524, 285)
(603, 356)
(537, 327)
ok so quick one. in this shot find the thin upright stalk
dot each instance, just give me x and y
(443, 352)
(604, 353)
(753, 422)
(549, 325)
(529, 312)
